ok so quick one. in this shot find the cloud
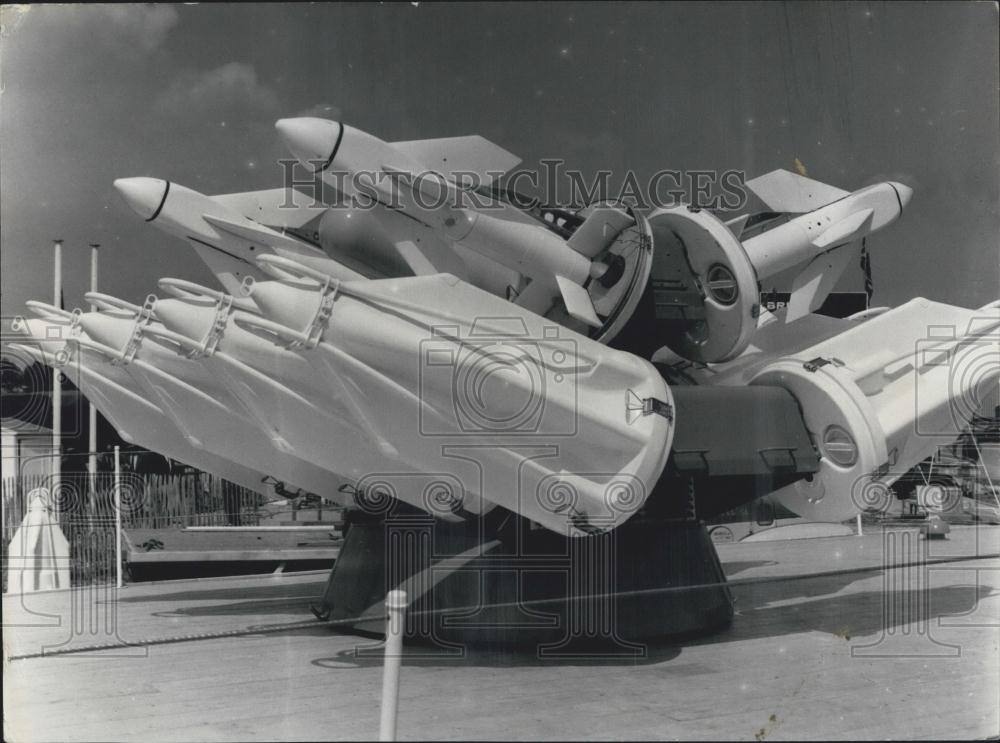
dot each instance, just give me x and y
(127, 31)
(323, 111)
(228, 91)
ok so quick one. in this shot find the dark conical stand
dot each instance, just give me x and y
(480, 583)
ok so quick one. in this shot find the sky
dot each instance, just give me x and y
(857, 92)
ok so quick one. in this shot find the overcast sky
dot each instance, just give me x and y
(858, 92)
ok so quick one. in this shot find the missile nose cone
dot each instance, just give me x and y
(312, 141)
(145, 196)
(285, 304)
(905, 193)
(192, 318)
(110, 331)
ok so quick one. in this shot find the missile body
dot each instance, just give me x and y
(226, 239)
(696, 293)
(125, 405)
(880, 397)
(849, 218)
(416, 179)
(304, 421)
(702, 298)
(447, 378)
(210, 417)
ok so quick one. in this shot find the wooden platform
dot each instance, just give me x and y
(826, 643)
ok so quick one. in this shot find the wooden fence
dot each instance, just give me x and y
(83, 506)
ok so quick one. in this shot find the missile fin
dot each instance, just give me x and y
(277, 207)
(847, 229)
(599, 230)
(784, 191)
(578, 302)
(737, 225)
(453, 156)
(228, 268)
(258, 233)
(431, 257)
(815, 282)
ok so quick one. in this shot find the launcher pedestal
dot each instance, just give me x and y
(480, 583)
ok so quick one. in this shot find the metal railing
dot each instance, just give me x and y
(83, 506)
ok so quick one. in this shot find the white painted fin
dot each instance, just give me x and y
(815, 282)
(260, 234)
(453, 156)
(599, 230)
(738, 224)
(847, 229)
(578, 302)
(784, 191)
(276, 207)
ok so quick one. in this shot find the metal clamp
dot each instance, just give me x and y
(211, 340)
(143, 319)
(819, 361)
(636, 406)
(313, 331)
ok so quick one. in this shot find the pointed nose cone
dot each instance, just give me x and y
(312, 141)
(905, 193)
(145, 196)
(192, 318)
(291, 306)
(106, 329)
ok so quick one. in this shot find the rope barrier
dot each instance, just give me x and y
(384, 617)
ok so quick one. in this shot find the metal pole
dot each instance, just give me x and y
(395, 605)
(92, 438)
(56, 386)
(859, 525)
(118, 517)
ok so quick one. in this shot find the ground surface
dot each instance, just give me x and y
(826, 643)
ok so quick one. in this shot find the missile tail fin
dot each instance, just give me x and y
(737, 225)
(578, 302)
(599, 230)
(815, 282)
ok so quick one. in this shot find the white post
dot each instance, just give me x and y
(859, 525)
(118, 517)
(395, 605)
(92, 438)
(56, 386)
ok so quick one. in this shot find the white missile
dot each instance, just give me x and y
(526, 414)
(210, 417)
(829, 218)
(424, 179)
(120, 400)
(705, 284)
(305, 420)
(220, 231)
(881, 397)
